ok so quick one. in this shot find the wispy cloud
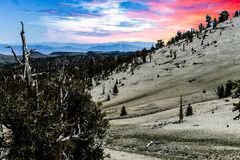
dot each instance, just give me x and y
(119, 20)
(111, 20)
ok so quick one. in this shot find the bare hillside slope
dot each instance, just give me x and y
(158, 84)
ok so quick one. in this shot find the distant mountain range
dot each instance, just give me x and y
(44, 58)
(48, 48)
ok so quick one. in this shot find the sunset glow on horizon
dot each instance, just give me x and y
(100, 21)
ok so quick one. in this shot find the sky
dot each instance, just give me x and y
(102, 21)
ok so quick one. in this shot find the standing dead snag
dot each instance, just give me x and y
(25, 64)
(26, 56)
(181, 111)
(103, 87)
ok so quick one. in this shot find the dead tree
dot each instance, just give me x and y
(174, 54)
(171, 52)
(183, 46)
(62, 81)
(150, 57)
(181, 111)
(25, 58)
(103, 87)
(132, 69)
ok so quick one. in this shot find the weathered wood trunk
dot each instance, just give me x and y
(27, 75)
(181, 111)
(26, 54)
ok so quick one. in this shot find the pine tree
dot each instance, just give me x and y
(189, 110)
(108, 98)
(201, 28)
(123, 111)
(220, 91)
(160, 44)
(179, 36)
(229, 87)
(236, 14)
(215, 23)
(208, 20)
(152, 49)
(115, 89)
(223, 16)
(144, 55)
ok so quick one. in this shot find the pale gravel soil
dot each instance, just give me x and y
(201, 136)
(120, 155)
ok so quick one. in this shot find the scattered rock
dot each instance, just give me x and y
(192, 80)
(197, 63)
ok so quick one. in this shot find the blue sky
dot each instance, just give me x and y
(98, 21)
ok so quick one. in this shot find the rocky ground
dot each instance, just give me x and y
(211, 133)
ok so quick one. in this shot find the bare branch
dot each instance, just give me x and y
(66, 94)
(24, 48)
(32, 50)
(27, 68)
(15, 56)
(22, 28)
(37, 74)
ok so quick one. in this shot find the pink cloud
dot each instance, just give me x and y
(165, 17)
(171, 16)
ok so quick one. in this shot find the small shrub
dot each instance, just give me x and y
(123, 111)
(189, 110)
(108, 98)
(115, 89)
(229, 87)
(220, 92)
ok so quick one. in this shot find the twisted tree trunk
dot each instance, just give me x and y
(181, 110)
(26, 54)
(27, 75)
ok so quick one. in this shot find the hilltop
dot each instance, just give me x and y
(151, 96)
